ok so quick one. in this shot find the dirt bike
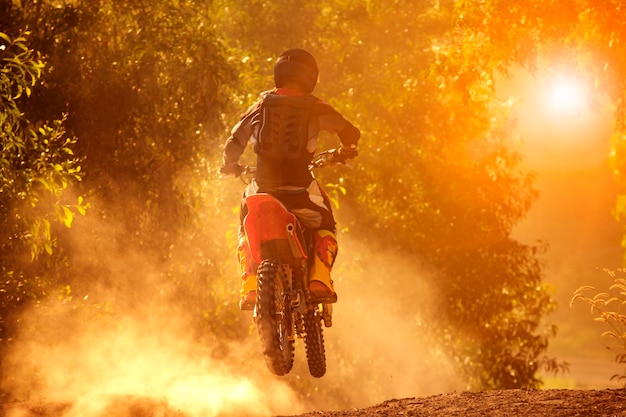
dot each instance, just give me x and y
(285, 310)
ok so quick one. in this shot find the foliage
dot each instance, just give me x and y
(144, 85)
(608, 307)
(37, 165)
(583, 37)
(152, 87)
(438, 173)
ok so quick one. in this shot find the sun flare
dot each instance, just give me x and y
(566, 95)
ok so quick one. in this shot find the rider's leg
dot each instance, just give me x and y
(321, 284)
(248, 275)
(314, 210)
(246, 263)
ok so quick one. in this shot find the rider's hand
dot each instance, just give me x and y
(234, 169)
(342, 154)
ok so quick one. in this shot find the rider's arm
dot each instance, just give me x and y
(239, 136)
(332, 121)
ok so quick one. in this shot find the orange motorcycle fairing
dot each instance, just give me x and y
(269, 220)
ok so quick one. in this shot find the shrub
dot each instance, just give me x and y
(609, 309)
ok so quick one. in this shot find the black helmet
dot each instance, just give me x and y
(296, 65)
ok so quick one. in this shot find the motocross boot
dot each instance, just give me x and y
(320, 283)
(248, 275)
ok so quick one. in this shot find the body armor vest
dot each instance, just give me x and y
(284, 130)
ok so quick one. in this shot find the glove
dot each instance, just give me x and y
(233, 169)
(342, 154)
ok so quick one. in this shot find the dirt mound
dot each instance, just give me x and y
(528, 403)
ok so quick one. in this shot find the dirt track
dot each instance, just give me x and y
(528, 403)
(535, 403)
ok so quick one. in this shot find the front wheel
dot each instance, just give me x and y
(273, 319)
(314, 343)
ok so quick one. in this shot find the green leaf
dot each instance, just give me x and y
(48, 247)
(68, 217)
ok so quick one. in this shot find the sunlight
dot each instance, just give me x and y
(556, 118)
(566, 95)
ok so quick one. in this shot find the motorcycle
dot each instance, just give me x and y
(285, 310)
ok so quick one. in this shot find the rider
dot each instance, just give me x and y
(283, 127)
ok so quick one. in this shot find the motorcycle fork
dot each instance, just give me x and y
(300, 300)
(294, 297)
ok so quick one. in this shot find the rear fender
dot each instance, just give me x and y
(268, 222)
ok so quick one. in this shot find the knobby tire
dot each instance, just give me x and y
(274, 319)
(314, 344)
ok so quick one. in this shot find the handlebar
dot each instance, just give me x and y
(323, 158)
(248, 170)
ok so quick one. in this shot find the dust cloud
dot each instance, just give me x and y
(384, 323)
(92, 369)
(124, 341)
(127, 343)
(574, 215)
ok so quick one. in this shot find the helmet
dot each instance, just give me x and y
(296, 65)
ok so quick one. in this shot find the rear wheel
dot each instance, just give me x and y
(314, 343)
(273, 319)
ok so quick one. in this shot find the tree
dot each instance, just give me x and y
(139, 83)
(151, 87)
(439, 177)
(37, 165)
